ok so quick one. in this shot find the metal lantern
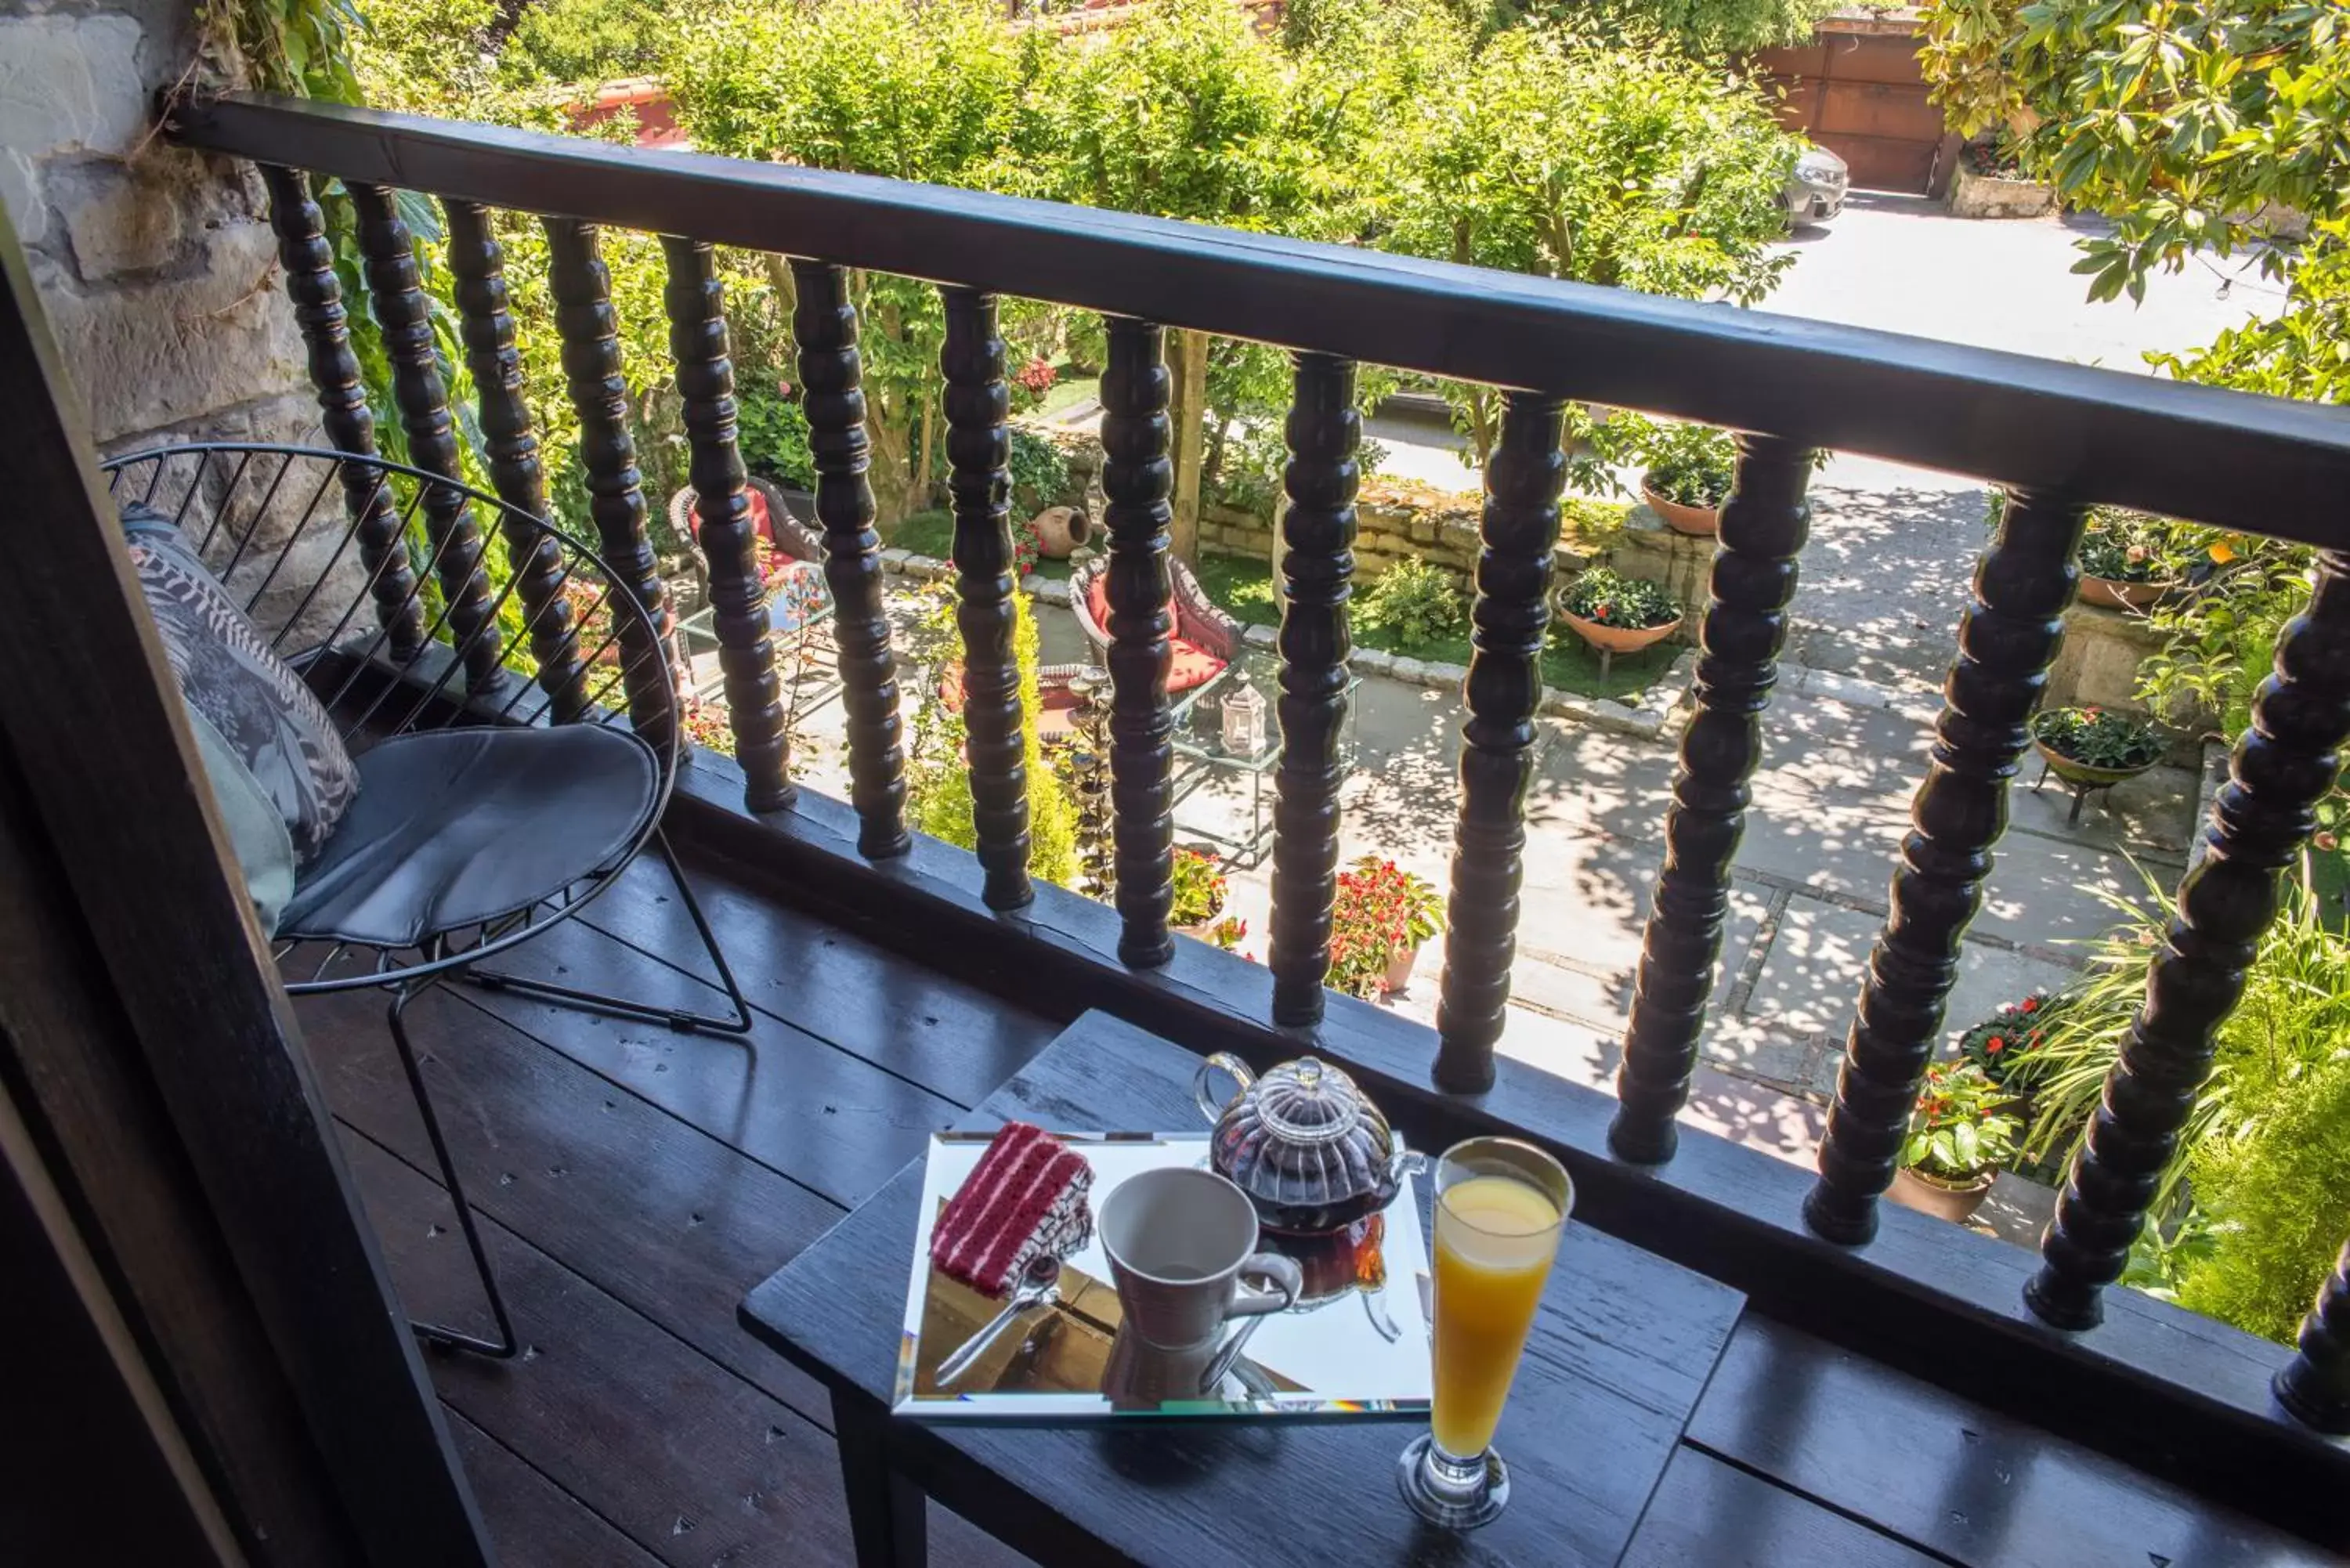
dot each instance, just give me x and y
(1243, 709)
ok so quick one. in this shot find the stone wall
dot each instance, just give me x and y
(156, 266)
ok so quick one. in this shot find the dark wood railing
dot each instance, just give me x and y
(2058, 437)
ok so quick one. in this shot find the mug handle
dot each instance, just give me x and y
(1288, 1282)
(1213, 1109)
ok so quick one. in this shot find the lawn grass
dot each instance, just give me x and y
(1243, 588)
(1067, 392)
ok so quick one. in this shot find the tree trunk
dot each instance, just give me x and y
(924, 452)
(1187, 364)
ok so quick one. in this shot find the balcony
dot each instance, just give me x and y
(1890, 1388)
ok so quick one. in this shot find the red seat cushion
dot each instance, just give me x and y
(1193, 666)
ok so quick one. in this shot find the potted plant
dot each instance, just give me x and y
(2003, 1045)
(1382, 917)
(2127, 560)
(1690, 470)
(2095, 746)
(1200, 894)
(1961, 1133)
(1616, 614)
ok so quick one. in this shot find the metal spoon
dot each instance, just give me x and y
(1040, 1285)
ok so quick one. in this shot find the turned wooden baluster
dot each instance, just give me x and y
(1136, 475)
(2316, 1384)
(2285, 762)
(746, 654)
(979, 458)
(343, 412)
(1317, 566)
(1763, 531)
(591, 369)
(832, 393)
(478, 263)
(1520, 527)
(2006, 642)
(405, 316)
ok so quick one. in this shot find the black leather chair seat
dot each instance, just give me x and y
(454, 828)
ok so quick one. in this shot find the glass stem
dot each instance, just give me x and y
(1451, 1476)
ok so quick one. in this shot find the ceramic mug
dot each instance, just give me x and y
(1179, 1243)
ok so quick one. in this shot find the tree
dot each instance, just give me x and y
(2188, 122)
(1554, 155)
(2192, 124)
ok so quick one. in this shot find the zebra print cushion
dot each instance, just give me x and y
(228, 673)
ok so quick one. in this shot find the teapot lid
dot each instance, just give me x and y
(1308, 1102)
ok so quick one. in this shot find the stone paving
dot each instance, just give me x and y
(1831, 805)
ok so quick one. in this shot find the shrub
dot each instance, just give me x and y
(2097, 737)
(1040, 474)
(2273, 1202)
(773, 434)
(1602, 595)
(1413, 604)
(939, 769)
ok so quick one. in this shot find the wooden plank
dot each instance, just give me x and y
(1952, 1477)
(665, 1218)
(535, 1523)
(688, 1460)
(1706, 1514)
(802, 1106)
(950, 1037)
(1622, 1348)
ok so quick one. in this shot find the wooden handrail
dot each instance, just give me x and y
(2230, 459)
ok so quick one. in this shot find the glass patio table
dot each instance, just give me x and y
(1203, 759)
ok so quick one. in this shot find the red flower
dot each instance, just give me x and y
(2031, 1004)
(1995, 1044)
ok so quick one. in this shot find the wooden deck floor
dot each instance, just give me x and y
(635, 1183)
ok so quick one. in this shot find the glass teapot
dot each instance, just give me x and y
(1309, 1149)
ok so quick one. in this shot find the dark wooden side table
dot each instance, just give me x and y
(1624, 1346)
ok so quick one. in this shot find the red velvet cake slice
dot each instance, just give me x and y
(1027, 1196)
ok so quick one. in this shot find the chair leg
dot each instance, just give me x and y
(503, 1346)
(679, 1019)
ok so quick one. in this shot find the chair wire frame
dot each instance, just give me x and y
(285, 529)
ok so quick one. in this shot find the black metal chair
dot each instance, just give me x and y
(502, 782)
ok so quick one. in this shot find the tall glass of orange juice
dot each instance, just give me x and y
(1500, 1206)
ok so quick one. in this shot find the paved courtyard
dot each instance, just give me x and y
(1883, 580)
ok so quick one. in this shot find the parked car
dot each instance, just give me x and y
(1816, 187)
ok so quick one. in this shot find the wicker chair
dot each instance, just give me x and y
(500, 787)
(1205, 641)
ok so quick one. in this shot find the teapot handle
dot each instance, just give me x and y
(1209, 1108)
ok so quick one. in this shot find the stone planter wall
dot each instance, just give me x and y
(1976, 195)
(157, 266)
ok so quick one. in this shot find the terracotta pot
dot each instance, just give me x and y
(2073, 773)
(1944, 1201)
(1619, 639)
(1698, 521)
(1398, 976)
(1061, 529)
(2115, 594)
